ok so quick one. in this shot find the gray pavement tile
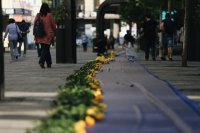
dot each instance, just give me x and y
(29, 91)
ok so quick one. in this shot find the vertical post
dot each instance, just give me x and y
(193, 33)
(73, 16)
(100, 23)
(70, 25)
(187, 20)
(2, 84)
(66, 36)
(169, 5)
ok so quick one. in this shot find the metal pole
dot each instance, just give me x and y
(2, 82)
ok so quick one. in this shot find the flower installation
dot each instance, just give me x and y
(79, 103)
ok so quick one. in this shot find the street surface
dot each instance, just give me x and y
(138, 101)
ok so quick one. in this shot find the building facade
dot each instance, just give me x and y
(20, 10)
(86, 11)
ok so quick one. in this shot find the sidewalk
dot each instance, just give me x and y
(185, 79)
(29, 90)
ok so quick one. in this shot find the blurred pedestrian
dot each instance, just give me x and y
(46, 40)
(12, 31)
(129, 38)
(24, 27)
(149, 28)
(102, 46)
(111, 41)
(84, 39)
(130, 52)
(168, 28)
(38, 47)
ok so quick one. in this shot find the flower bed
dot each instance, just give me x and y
(79, 101)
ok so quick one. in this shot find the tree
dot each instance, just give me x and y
(135, 10)
(194, 27)
(197, 12)
(186, 31)
(132, 11)
(46, 1)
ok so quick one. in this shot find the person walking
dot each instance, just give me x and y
(102, 44)
(128, 38)
(111, 41)
(46, 40)
(149, 28)
(84, 41)
(24, 27)
(38, 47)
(12, 30)
(168, 28)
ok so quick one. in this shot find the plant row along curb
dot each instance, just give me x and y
(79, 102)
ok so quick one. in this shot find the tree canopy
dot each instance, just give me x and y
(135, 10)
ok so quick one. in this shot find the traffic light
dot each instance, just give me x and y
(172, 13)
(163, 14)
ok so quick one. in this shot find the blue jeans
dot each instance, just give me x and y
(167, 42)
(13, 48)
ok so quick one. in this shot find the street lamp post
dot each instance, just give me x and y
(2, 84)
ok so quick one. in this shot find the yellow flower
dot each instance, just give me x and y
(89, 77)
(93, 86)
(89, 121)
(98, 95)
(80, 126)
(92, 110)
(103, 106)
(100, 116)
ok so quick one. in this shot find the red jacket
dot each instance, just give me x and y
(50, 28)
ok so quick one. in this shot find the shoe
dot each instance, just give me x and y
(154, 59)
(170, 59)
(42, 66)
(16, 57)
(48, 66)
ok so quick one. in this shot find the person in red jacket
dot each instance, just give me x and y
(46, 40)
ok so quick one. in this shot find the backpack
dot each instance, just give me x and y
(38, 28)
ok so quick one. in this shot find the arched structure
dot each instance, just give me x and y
(108, 6)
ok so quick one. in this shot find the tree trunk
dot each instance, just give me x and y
(169, 5)
(186, 33)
